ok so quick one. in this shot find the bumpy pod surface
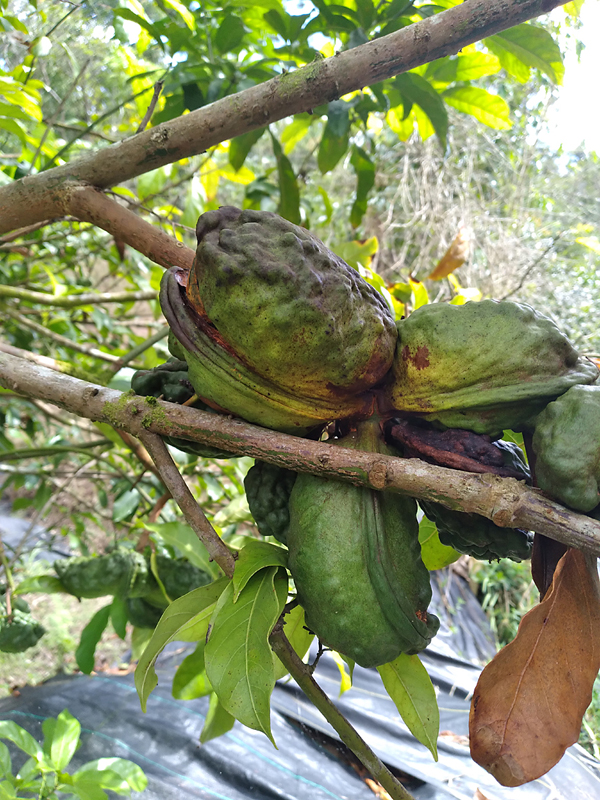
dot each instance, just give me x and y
(123, 573)
(142, 614)
(268, 489)
(355, 558)
(477, 536)
(19, 632)
(482, 366)
(224, 381)
(566, 443)
(291, 309)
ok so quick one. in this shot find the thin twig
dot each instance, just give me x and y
(157, 90)
(74, 300)
(195, 517)
(62, 340)
(192, 512)
(141, 348)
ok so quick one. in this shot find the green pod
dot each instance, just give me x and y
(268, 490)
(19, 632)
(220, 377)
(566, 443)
(477, 536)
(122, 572)
(142, 614)
(177, 575)
(355, 558)
(483, 367)
(290, 308)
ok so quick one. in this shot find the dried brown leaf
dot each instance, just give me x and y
(530, 699)
(454, 257)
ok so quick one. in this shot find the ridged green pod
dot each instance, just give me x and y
(483, 367)
(122, 572)
(355, 558)
(566, 443)
(477, 536)
(276, 328)
(20, 631)
(268, 490)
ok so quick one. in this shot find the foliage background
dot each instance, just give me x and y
(387, 177)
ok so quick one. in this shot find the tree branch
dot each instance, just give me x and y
(74, 300)
(31, 199)
(506, 501)
(180, 492)
(219, 552)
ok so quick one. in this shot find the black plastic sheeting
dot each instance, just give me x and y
(309, 764)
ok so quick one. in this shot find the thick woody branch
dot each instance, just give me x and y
(506, 501)
(34, 198)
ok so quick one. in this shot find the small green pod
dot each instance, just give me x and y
(355, 558)
(477, 536)
(268, 490)
(566, 443)
(18, 632)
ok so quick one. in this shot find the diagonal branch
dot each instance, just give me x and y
(506, 501)
(29, 200)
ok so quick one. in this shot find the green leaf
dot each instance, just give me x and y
(334, 142)
(90, 636)
(181, 536)
(241, 146)
(5, 761)
(21, 739)
(254, 556)
(48, 584)
(295, 132)
(7, 791)
(116, 774)
(185, 620)
(435, 555)
(526, 46)
(345, 677)
(289, 194)
(230, 34)
(185, 14)
(118, 617)
(468, 67)
(190, 680)
(408, 684)
(218, 721)
(65, 739)
(139, 641)
(86, 788)
(491, 109)
(151, 183)
(126, 505)
(365, 173)
(327, 203)
(418, 91)
(13, 126)
(239, 660)
(294, 627)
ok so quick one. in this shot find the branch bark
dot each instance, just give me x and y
(37, 197)
(506, 501)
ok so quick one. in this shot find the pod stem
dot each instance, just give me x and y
(301, 673)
